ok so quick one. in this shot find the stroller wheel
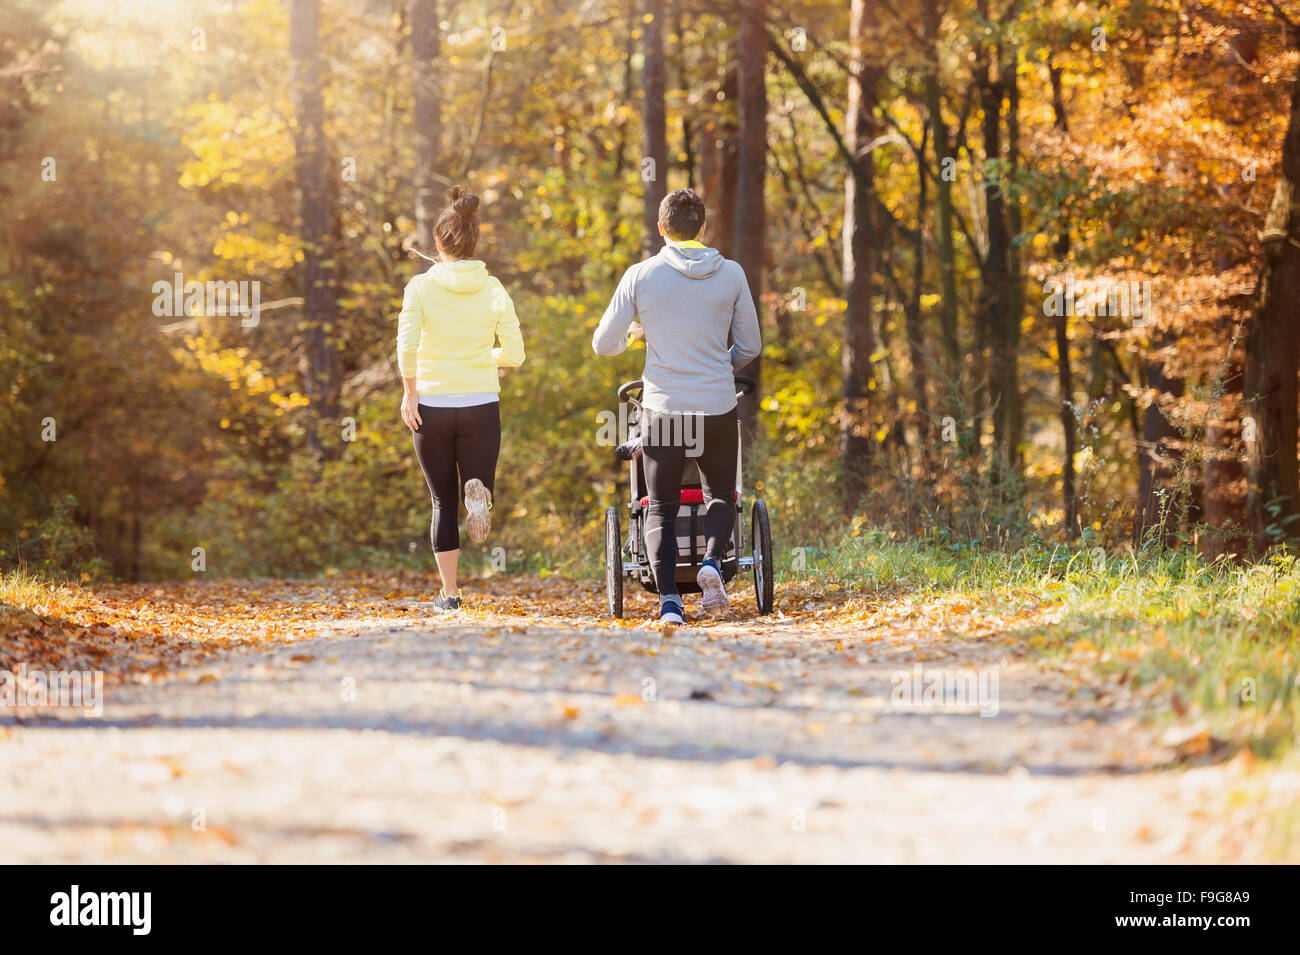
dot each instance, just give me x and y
(613, 563)
(761, 540)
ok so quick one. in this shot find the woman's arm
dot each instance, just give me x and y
(410, 324)
(411, 404)
(510, 354)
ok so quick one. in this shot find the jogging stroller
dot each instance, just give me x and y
(627, 558)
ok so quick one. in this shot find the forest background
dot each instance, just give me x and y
(1028, 274)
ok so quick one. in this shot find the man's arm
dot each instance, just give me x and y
(610, 337)
(746, 341)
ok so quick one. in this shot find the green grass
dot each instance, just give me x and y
(19, 588)
(1214, 641)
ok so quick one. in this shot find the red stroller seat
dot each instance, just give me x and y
(690, 495)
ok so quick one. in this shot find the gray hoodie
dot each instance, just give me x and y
(690, 301)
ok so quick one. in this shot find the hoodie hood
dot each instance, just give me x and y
(463, 275)
(694, 263)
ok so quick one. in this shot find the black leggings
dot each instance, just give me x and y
(468, 439)
(666, 441)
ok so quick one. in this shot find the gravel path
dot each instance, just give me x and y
(387, 740)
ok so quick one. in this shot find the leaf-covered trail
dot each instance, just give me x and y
(505, 735)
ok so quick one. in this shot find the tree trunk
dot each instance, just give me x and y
(996, 295)
(719, 162)
(1273, 354)
(1224, 498)
(688, 150)
(427, 119)
(137, 542)
(682, 81)
(749, 224)
(654, 124)
(315, 182)
(915, 336)
(1016, 294)
(1061, 124)
(943, 207)
(1065, 385)
(1064, 374)
(388, 201)
(861, 233)
(621, 140)
(1159, 454)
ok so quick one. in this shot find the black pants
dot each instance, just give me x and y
(666, 441)
(454, 445)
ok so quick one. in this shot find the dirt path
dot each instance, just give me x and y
(508, 739)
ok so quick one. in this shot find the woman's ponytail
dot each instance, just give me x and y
(457, 227)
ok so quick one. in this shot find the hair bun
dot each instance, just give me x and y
(463, 202)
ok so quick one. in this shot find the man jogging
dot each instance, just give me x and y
(688, 301)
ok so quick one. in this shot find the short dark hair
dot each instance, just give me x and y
(682, 214)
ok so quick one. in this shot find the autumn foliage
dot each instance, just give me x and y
(918, 380)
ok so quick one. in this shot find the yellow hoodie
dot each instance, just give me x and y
(451, 317)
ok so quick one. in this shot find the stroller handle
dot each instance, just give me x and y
(746, 385)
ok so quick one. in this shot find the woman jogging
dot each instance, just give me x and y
(452, 317)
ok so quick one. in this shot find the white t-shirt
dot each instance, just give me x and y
(459, 401)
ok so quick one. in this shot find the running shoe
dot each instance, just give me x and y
(478, 502)
(671, 611)
(444, 603)
(715, 599)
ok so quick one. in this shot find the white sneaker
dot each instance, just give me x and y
(670, 611)
(478, 504)
(716, 601)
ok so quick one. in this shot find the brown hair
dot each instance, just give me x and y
(682, 214)
(457, 226)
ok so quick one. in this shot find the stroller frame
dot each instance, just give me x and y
(626, 557)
